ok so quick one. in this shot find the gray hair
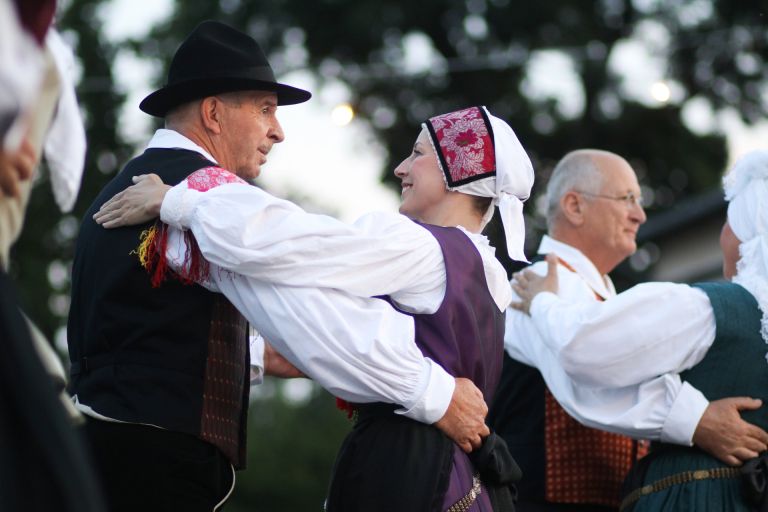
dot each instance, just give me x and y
(575, 171)
(181, 114)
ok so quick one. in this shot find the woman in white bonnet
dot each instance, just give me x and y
(716, 339)
(431, 262)
(744, 238)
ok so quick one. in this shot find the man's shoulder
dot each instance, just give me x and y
(571, 285)
(172, 165)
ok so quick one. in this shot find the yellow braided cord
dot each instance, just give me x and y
(147, 237)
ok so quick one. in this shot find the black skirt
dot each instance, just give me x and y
(389, 462)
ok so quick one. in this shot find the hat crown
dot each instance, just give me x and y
(216, 58)
(216, 49)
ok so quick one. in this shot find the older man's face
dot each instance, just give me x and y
(611, 221)
(249, 129)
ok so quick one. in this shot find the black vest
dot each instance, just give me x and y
(517, 415)
(141, 354)
(520, 394)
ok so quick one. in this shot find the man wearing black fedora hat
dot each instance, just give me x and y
(161, 368)
(172, 356)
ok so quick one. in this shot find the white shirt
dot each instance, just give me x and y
(358, 348)
(626, 382)
(253, 233)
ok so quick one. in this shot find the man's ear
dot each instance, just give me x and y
(572, 207)
(211, 109)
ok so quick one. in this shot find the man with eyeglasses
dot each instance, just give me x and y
(594, 210)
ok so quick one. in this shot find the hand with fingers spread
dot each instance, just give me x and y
(527, 284)
(16, 167)
(137, 204)
(722, 432)
(464, 421)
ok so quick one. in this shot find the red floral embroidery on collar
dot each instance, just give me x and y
(207, 178)
(465, 144)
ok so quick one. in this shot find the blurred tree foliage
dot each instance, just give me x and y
(481, 53)
(711, 53)
(291, 450)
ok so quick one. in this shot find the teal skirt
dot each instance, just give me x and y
(710, 495)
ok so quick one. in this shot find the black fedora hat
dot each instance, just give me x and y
(214, 59)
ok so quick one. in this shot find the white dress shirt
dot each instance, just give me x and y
(358, 348)
(626, 382)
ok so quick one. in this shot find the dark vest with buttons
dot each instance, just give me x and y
(175, 356)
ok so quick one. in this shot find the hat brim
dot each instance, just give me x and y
(160, 102)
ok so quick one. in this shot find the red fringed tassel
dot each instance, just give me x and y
(347, 407)
(196, 268)
(152, 256)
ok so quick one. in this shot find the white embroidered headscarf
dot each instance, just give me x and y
(746, 190)
(480, 155)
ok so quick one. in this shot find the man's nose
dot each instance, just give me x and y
(638, 213)
(276, 132)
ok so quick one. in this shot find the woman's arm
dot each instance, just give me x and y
(246, 230)
(649, 330)
(646, 331)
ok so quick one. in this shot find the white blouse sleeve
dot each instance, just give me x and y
(662, 408)
(360, 349)
(649, 330)
(256, 353)
(246, 230)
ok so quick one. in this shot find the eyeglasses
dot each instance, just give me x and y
(630, 199)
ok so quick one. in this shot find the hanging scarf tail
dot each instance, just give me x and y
(511, 212)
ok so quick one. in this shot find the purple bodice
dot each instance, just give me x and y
(465, 336)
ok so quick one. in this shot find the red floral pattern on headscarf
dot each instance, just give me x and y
(207, 178)
(466, 144)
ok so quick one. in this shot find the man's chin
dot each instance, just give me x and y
(249, 174)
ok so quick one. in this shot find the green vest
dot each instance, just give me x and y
(735, 364)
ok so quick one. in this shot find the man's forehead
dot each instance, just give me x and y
(262, 97)
(617, 173)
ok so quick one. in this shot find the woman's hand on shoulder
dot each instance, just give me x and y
(137, 204)
(527, 284)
